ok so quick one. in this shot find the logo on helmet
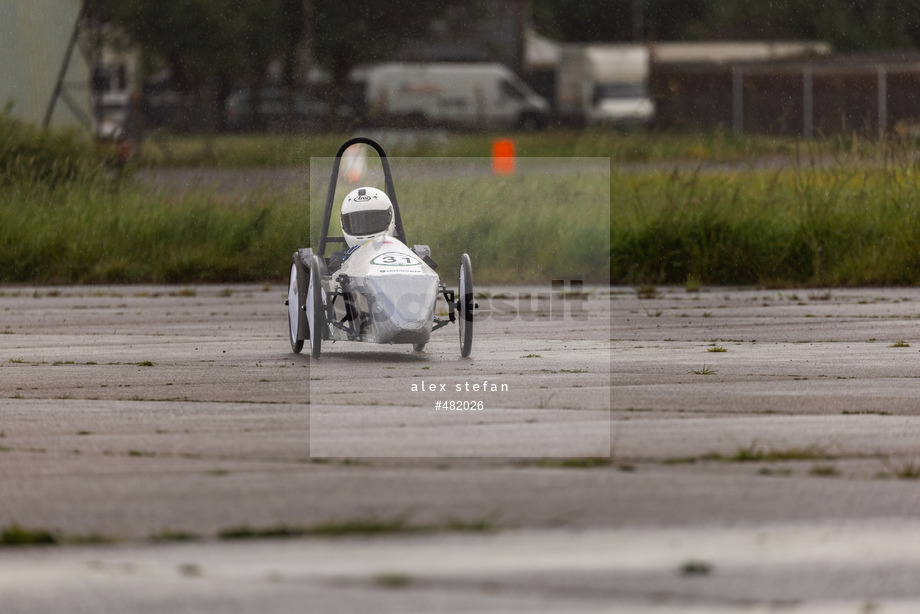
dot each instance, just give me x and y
(362, 198)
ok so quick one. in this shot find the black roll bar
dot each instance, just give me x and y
(390, 190)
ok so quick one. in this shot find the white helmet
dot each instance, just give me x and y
(366, 213)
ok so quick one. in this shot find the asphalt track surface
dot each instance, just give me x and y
(780, 474)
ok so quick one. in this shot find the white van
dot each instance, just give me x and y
(472, 95)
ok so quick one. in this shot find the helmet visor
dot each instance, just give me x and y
(360, 223)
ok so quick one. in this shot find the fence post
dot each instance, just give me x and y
(737, 99)
(808, 104)
(882, 101)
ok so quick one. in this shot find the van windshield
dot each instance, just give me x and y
(512, 90)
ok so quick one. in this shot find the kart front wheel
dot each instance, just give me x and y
(316, 306)
(297, 294)
(465, 306)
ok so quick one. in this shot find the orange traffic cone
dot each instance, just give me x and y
(503, 157)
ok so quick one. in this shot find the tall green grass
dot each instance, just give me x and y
(29, 154)
(547, 221)
(845, 224)
(63, 220)
(842, 225)
(516, 229)
(97, 233)
(844, 212)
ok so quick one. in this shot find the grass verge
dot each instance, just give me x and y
(101, 233)
(841, 213)
(850, 223)
(361, 527)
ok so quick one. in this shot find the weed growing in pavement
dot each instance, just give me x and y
(695, 567)
(172, 535)
(359, 527)
(15, 535)
(247, 532)
(909, 470)
(392, 580)
(578, 462)
(754, 453)
(679, 460)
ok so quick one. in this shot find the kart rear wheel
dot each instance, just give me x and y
(418, 347)
(465, 306)
(297, 294)
(316, 307)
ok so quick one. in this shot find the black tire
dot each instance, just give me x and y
(316, 310)
(297, 294)
(418, 347)
(465, 306)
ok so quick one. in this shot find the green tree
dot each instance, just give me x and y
(204, 41)
(195, 39)
(849, 25)
(617, 20)
(348, 33)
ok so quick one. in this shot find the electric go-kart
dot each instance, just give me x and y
(376, 289)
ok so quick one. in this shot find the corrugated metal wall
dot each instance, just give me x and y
(33, 40)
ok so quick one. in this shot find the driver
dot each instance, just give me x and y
(366, 214)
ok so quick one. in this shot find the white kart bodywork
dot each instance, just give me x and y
(392, 290)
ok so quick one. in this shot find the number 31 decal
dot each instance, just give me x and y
(395, 259)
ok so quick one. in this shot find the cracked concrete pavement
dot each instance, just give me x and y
(760, 452)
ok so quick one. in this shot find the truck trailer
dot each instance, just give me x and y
(604, 84)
